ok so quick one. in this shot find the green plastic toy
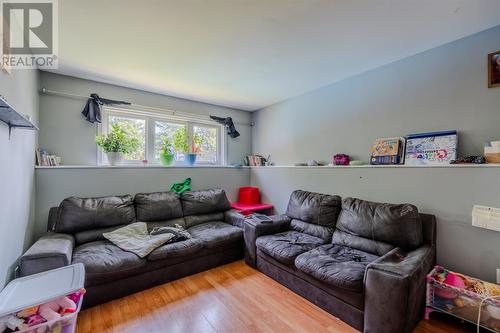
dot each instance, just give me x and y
(181, 187)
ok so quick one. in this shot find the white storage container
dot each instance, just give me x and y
(41, 288)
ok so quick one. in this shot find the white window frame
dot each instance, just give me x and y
(150, 117)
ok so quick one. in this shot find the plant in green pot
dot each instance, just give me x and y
(117, 143)
(167, 153)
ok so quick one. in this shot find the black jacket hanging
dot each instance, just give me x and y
(228, 123)
(92, 110)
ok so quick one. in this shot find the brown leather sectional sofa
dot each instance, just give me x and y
(362, 261)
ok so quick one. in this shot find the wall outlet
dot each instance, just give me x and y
(498, 275)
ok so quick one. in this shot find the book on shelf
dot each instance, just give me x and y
(43, 158)
(388, 151)
(255, 160)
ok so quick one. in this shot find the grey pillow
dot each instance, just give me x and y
(135, 238)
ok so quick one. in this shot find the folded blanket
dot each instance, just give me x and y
(135, 238)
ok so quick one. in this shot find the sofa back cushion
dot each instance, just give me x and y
(372, 226)
(193, 220)
(314, 208)
(79, 214)
(157, 206)
(204, 202)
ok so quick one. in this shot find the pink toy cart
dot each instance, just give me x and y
(464, 303)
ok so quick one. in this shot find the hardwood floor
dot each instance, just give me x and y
(231, 298)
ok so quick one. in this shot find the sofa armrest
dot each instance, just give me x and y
(395, 289)
(234, 217)
(51, 251)
(254, 229)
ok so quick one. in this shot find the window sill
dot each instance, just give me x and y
(139, 167)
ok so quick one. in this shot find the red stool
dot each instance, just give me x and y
(249, 195)
(249, 202)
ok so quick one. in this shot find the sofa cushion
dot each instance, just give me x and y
(93, 235)
(286, 246)
(204, 202)
(396, 224)
(316, 208)
(183, 248)
(193, 220)
(215, 234)
(364, 244)
(339, 266)
(157, 206)
(105, 262)
(77, 214)
(312, 229)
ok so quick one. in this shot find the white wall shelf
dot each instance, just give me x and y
(138, 167)
(487, 165)
(452, 166)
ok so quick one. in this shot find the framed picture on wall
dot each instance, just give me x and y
(494, 69)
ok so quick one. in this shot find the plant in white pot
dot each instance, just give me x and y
(117, 143)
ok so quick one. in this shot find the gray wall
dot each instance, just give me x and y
(64, 132)
(53, 185)
(16, 171)
(444, 88)
(449, 193)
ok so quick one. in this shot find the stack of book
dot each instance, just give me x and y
(388, 151)
(255, 160)
(43, 158)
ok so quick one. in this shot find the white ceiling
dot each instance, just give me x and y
(249, 54)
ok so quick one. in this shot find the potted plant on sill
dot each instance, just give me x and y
(116, 143)
(181, 144)
(167, 154)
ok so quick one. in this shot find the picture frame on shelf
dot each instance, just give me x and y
(494, 69)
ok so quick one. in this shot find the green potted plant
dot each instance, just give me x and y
(116, 143)
(181, 145)
(167, 153)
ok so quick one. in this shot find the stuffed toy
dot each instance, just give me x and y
(15, 324)
(27, 312)
(76, 296)
(451, 279)
(341, 159)
(55, 309)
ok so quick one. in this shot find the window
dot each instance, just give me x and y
(151, 128)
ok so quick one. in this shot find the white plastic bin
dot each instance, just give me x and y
(37, 289)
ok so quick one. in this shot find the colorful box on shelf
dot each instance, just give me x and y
(434, 148)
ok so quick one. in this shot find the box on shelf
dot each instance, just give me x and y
(46, 302)
(462, 296)
(435, 148)
(492, 152)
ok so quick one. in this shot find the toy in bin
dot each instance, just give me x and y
(465, 297)
(26, 307)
